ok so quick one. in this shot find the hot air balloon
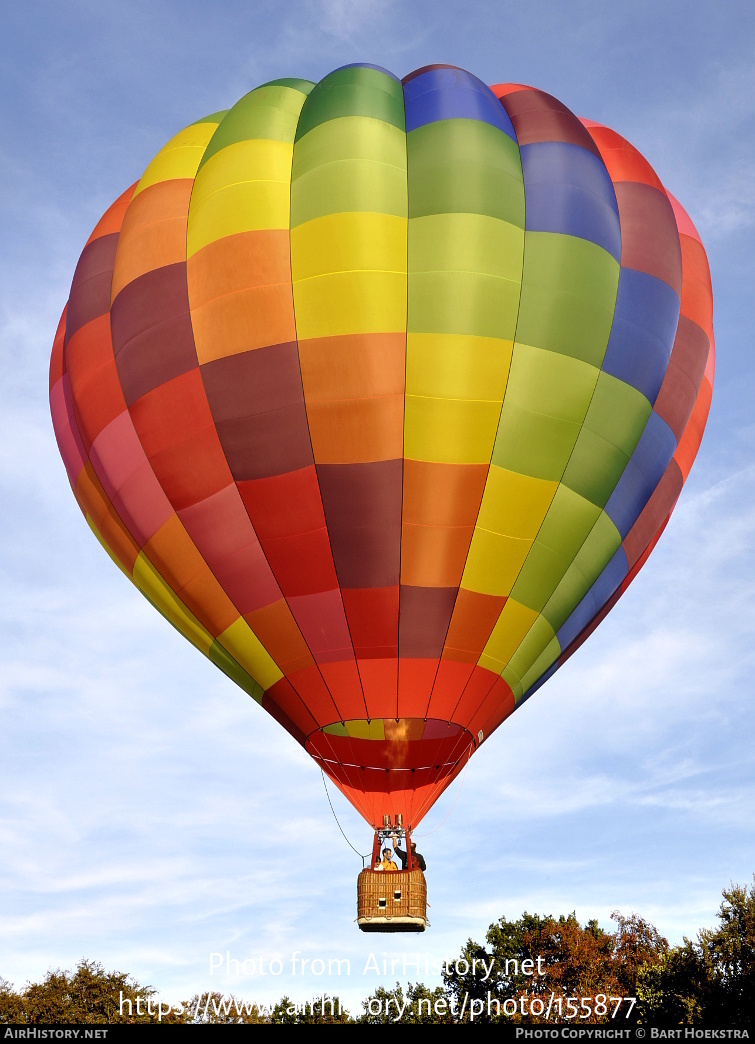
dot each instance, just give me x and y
(382, 392)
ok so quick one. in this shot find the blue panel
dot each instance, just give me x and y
(643, 332)
(642, 474)
(606, 584)
(452, 94)
(568, 190)
(540, 681)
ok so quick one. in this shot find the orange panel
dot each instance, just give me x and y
(434, 556)
(238, 262)
(442, 494)
(697, 296)
(242, 321)
(276, 628)
(473, 620)
(173, 553)
(112, 219)
(354, 366)
(204, 597)
(357, 430)
(153, 233)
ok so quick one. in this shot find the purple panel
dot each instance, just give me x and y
(568, 190)
(153, 340)
(642, 474)
(90, 289)
(257, 404)
(448, 93)
(643, 331)
(424, 616)
(362, 505)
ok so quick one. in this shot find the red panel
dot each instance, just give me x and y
(480, 684)
(302, 564)
(345, 685)
(284, 505)
(314, 692)
(623, 161)
(450, 682)
(373, 620)
(415, 683)
(380, 686)
(322, 621)
(94, 379)
(57, 364)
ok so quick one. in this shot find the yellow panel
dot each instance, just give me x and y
(255, 160)
(350, 302)
(153, 587)
(244, 207)
(358, 729)
(457, 366)
(494, 562)
(514, 504)
(352, 242)
(180, 158)
(452, 431)
(512, 625)
(245, 647)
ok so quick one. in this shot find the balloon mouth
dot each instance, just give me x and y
(414, 751)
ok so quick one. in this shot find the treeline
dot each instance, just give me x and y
(535, 970)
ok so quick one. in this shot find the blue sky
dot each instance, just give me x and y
(150, 814)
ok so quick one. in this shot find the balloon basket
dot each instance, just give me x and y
(392, 901)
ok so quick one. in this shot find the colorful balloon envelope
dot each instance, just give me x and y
(382, 391)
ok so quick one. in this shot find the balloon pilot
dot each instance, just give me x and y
(390, 899)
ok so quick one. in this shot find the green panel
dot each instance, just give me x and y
(567, 596)
(355, 91)
(614, 423)
(513, 681)
(337, 729)
(618, 413)
(568, 296)
(594, 468)
(539, 576)
(214, 117)
(535, 642)
(305, 86)
(270, 113)
(235, 671)
(349, 165)
(568, 523)
(350, 138)
(467, 243)
(551, 652)
(465, 166)
(532, 443)
(592, 558)
(599, 548)
(548, 383)
(349, 186)
(462, 303)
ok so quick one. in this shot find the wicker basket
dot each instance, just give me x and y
(392, 901)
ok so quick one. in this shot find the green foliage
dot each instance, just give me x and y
(711, 979)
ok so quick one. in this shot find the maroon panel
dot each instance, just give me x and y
(652, 516)
(285, 705)
(153, 338)
(649, 235)
(424, 616)
(257, 401)
(90, 289)
(362, 505)
(538, 116)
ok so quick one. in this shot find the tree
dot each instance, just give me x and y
(418, 1006)
(323, 1010)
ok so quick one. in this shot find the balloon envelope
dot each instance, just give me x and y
(381, 392)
